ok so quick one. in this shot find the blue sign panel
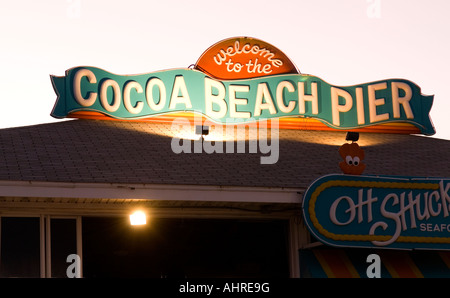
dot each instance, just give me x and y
(381, 212)
(241, 101)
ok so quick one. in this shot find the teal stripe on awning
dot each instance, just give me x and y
(431, 264)
(309, 265)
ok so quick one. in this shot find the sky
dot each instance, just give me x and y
(344, 42)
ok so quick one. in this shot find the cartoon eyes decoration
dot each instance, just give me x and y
(352, 161)
(352, 156)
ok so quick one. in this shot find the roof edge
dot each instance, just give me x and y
(162, 192)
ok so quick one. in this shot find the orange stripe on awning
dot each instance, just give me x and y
(298, 123)
(445, 255)
(400, 265)
(336, 264)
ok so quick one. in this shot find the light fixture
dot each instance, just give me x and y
(138, 218)
(352, 136)
(202, 130)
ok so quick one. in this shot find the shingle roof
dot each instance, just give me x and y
(138, 152)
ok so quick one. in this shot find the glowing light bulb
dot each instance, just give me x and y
(138, 218)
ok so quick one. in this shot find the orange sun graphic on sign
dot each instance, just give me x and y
(244, 58)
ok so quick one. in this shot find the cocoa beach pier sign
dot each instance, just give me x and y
(241, 80)
(381, 212)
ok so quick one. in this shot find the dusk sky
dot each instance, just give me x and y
(344, 42)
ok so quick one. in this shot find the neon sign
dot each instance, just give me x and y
(239, 81)
(382, 212)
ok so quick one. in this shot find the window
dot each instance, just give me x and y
(20, 247)
(37, 246)
(63, 244)
(185, 248)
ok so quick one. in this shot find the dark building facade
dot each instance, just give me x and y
(68, 188)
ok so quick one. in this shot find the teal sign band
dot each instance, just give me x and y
(241, 101)
(381, 212)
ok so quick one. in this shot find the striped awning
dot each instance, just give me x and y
(352, 263)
